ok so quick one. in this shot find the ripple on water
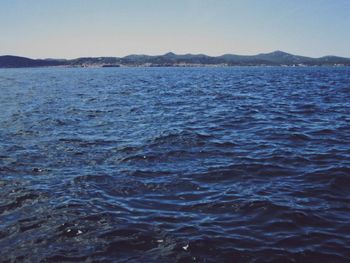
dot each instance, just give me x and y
(175, 165)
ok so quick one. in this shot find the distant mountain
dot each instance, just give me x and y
(21, 62)
(276, 58)
(280, 57)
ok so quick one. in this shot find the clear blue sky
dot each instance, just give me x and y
(74, 28)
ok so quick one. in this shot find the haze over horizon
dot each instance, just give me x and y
(80, 28)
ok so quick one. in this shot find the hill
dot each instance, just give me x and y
(276, 58)
(22, 62)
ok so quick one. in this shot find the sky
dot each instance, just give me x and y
(78, 28)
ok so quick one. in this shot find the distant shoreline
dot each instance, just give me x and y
(276, 58)
(182, 66)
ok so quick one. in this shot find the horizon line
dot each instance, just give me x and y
(169, 52)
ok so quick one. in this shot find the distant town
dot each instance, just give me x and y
(276, 58)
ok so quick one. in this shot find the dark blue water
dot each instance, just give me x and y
(175, 165)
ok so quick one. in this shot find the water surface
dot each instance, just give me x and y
(175, 165)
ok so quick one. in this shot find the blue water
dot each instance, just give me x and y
(175, 165)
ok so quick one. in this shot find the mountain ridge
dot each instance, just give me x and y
(275, 58)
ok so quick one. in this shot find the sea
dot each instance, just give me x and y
(235, 164)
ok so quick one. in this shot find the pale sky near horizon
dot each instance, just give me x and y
(76, 28)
